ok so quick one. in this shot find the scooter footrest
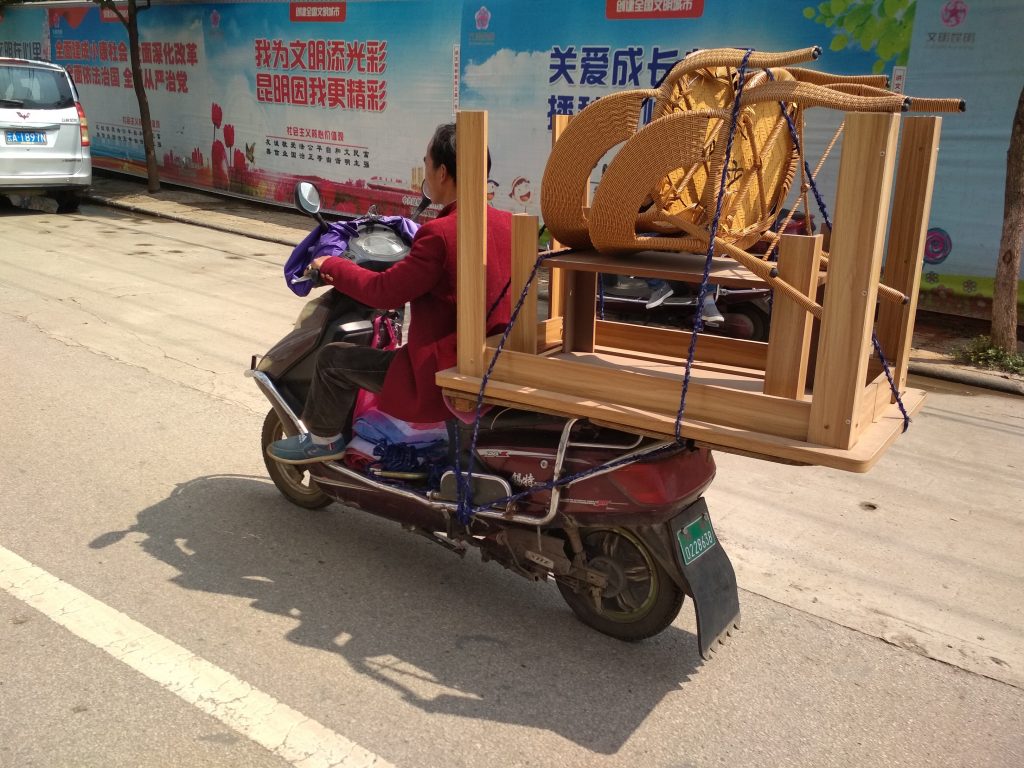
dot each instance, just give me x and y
(486, 489)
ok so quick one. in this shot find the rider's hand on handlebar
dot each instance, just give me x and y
(311, 275)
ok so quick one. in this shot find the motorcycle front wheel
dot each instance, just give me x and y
(291, 479)
(640, 598)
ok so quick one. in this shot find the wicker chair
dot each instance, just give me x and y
(686, 183)
(675, 210)
(615, 118)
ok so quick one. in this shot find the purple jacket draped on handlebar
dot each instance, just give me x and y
(334, 242)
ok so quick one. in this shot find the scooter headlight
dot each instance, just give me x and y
(382, 245)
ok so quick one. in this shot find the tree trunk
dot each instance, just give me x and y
(152, 171)
(1004, 294)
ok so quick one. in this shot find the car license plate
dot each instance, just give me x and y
(696, 539)
(26, 137)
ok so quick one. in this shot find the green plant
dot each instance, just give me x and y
(982, 354)
(881, 25)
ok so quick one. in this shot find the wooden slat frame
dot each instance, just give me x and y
(873, 443)
(630, 376)
(471, 282)
(580, 290)
(688, 267)
(669, 342)
(523, 336)
(912, 203)
(556, 295)
(862, 205)
(789, 340)
(657, 392)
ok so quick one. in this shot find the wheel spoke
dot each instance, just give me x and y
(609, 544)
(614, 546)
(638, 573)
(626, 602)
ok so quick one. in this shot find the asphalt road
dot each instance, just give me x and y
(202, 620)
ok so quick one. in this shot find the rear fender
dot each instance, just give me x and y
(708, 576)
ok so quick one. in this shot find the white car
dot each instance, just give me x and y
(44, 136)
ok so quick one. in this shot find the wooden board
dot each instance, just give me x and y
(789, 340)
(470, 137)
(858, 236)
(875, 438)
(685, 267)
(673, 343)
(912, 203)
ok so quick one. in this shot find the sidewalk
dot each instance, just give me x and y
(931, 354)
(227, 214)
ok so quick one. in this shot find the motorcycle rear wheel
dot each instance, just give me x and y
(291, 480)
(640, 599)
(747, 322)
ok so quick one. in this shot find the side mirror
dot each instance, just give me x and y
(307, 197)
(424, 201)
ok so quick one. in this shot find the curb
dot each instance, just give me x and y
(181, 219)
(968, 376)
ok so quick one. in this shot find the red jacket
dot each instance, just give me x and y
(427, 279)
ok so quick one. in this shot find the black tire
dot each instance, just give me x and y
(294, 483)
(67, 202)
(640, 600)
(746, 321)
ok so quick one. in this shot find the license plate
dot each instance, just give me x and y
(26, 137)
(696, 539)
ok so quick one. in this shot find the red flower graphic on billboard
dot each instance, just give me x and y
(954, 12)
(483, 18)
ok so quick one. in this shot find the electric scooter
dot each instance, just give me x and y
(624, 544)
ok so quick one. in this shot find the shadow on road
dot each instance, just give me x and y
(453, 637)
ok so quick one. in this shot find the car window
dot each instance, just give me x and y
(34, 88)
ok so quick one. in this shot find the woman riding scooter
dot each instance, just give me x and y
(427, 279)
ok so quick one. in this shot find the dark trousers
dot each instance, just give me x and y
(342, 369)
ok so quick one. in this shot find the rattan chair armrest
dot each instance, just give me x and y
(937, 105)
(712, 58)
(589, 135)
(817, 77)
(810, 95)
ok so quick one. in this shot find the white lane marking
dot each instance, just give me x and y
(301, 741)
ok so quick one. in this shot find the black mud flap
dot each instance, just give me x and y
(708, 573)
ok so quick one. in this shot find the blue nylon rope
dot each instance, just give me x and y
(698, 320)
(807, 168)
(892, 384)
(464, 479)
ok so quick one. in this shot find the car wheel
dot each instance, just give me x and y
(67, 202)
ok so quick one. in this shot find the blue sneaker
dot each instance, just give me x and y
(659, 295)
(300, 449)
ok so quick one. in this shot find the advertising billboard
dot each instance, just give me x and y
(248, 98)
